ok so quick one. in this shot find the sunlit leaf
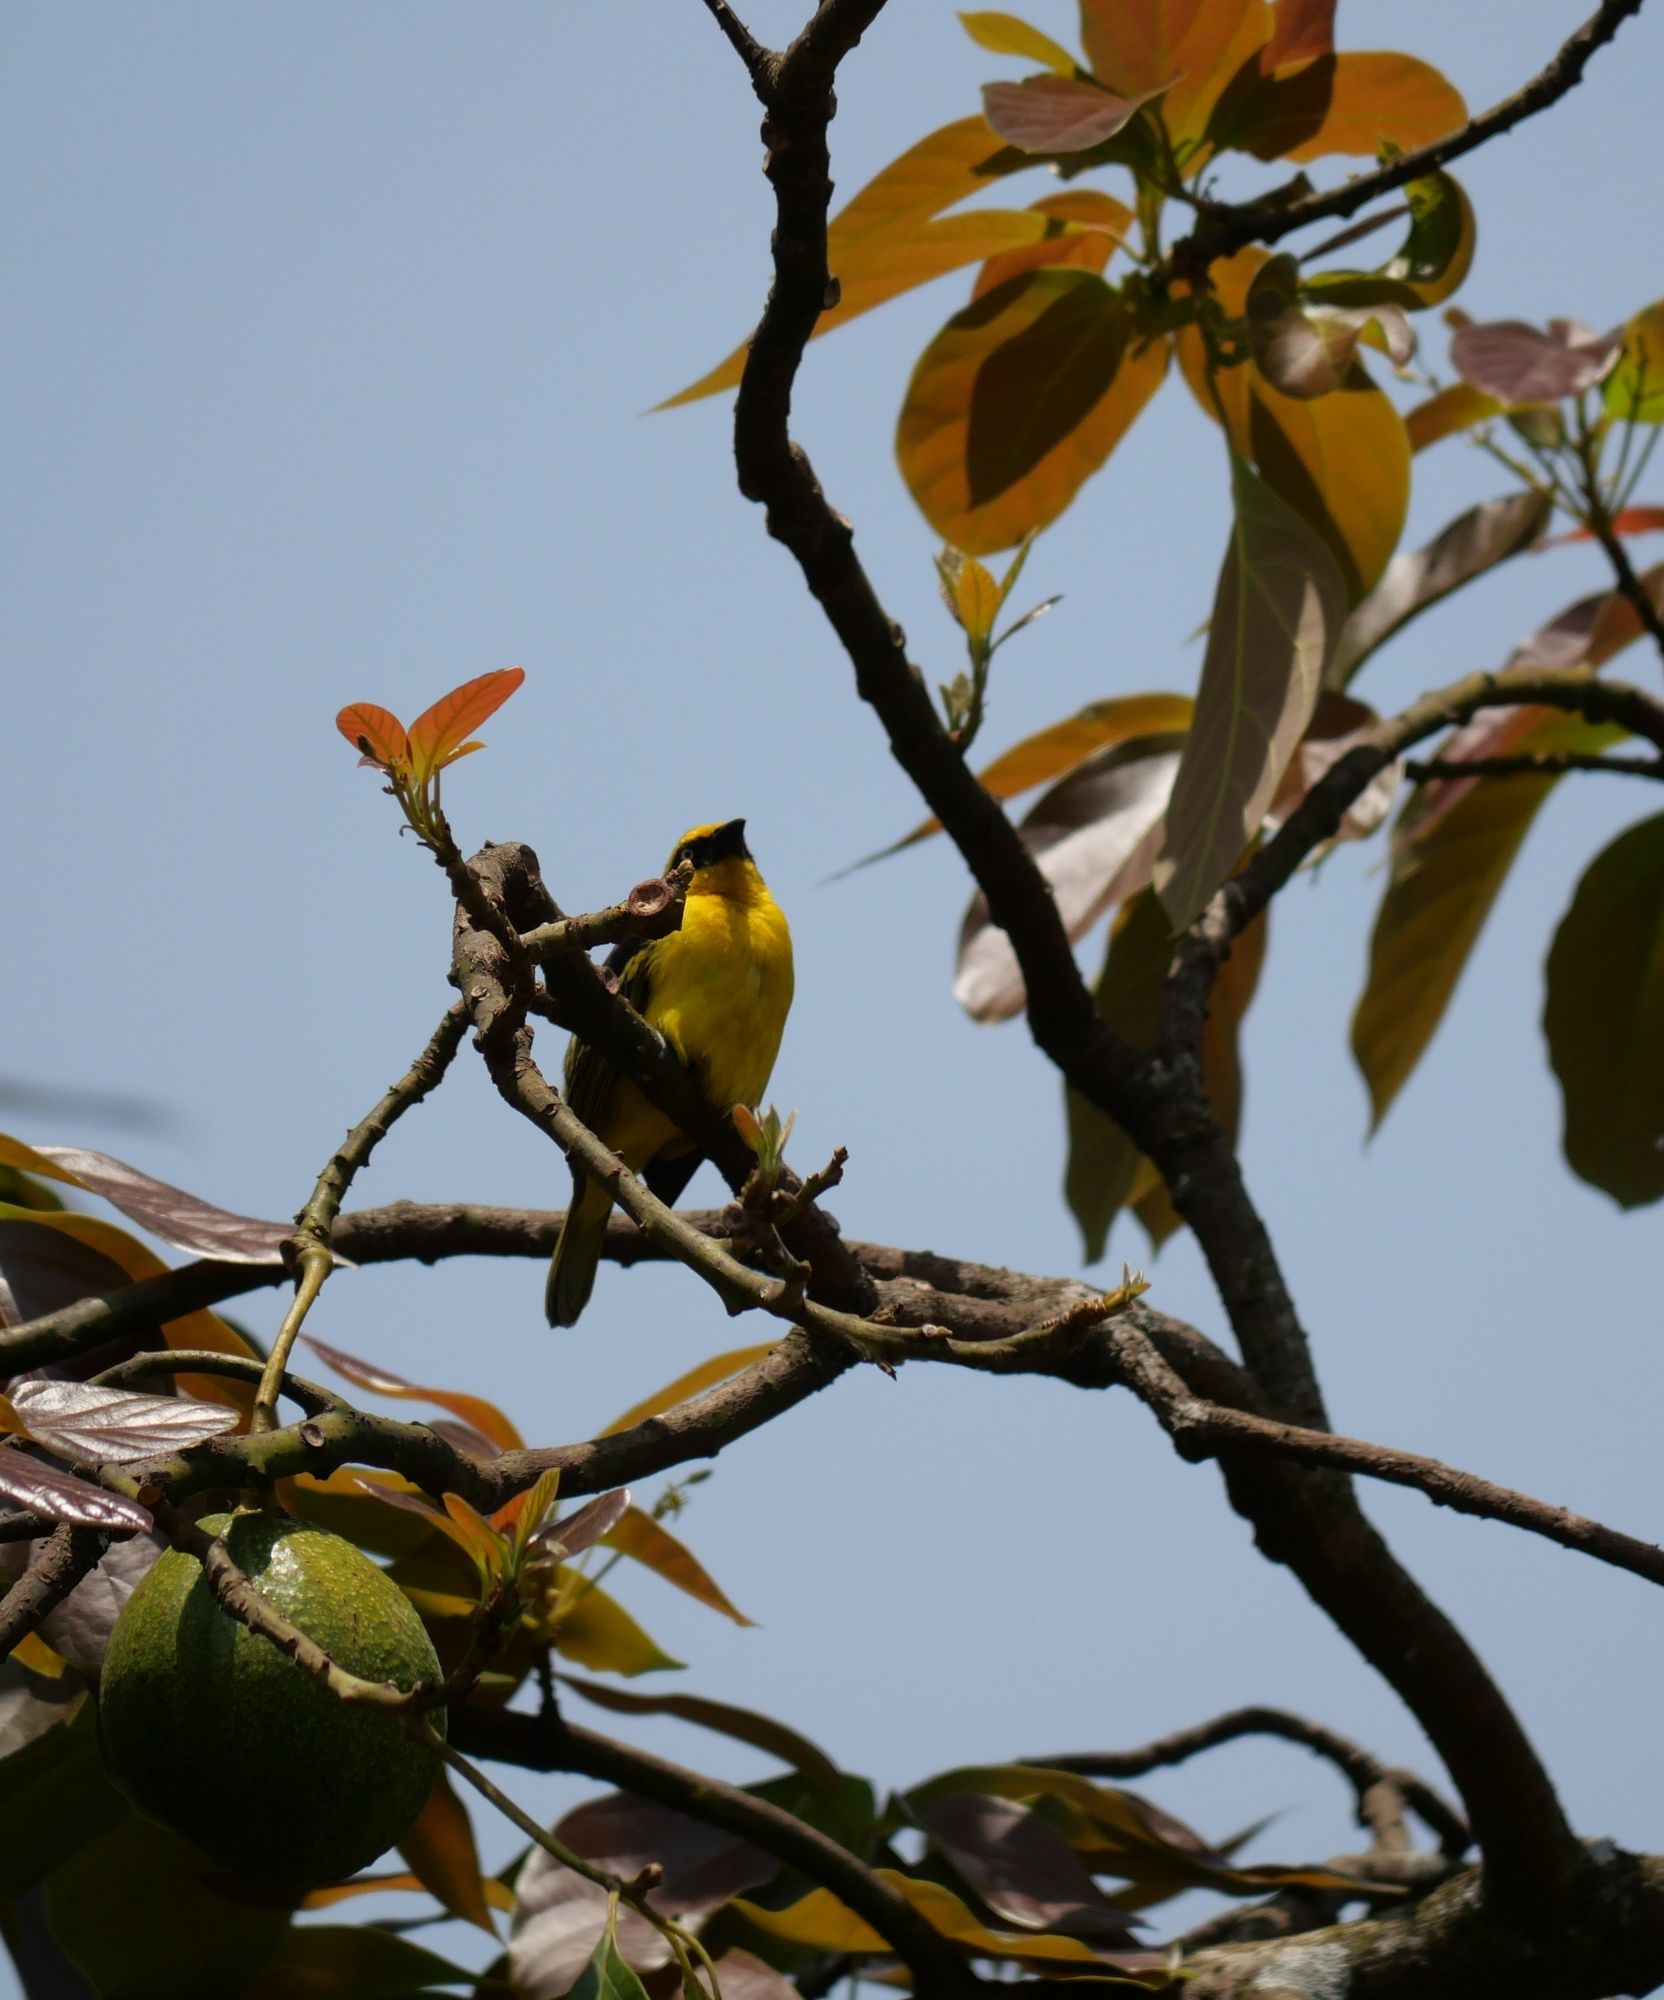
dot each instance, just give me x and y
(1472, 544)
(1355, 102)
(1084, 229)
(49, 1259)
(1193, 46)
(646, 1541)
(1627, 521)
(484, 1416)
(1060, 747)
(498, 1895)
(38, 1486)
(1604, 1018)
(1431, 263)
(1307, 349)
(704, 1376)
(744, 1725)
(597, 1632)
(1440, 893)
(1017, 401)
(526, 1511)
(442, 1855)
(884, 243)
(579, 1530)
(119, 1426)
(1094, 837)
(1277, 613)
(377, 734)
(976, 597)
(184, 1220)
(1301, 31)
(819, 1919)
(1006, 35)
(1634, 390)
(1457, 408)
(1058, 114)
(439, 734)
(1341, 461)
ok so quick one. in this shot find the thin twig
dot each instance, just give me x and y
(1532, 764)
(653, 909)
(1363, 1770)
(51, 1575)
(314, 1226)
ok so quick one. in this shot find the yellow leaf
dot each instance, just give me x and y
(976, 598)
(1084, 229)
(1454, 409)
(717, 1369)
(1008, 36)
(1378, 97)
(644, 1540)
(1193, 46)
(597, 1632)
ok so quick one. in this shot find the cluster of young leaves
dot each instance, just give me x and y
(414, 760)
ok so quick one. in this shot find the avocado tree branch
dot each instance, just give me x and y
(1365, 1772)
(49, 1578)
(1227, 232)
(546, 1742)
(314, 1257)
(1308, 1520)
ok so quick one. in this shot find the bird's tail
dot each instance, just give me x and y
(578, 1252)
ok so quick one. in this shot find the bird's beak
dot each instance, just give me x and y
(729, 839)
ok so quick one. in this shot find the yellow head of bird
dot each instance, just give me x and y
(722, 863)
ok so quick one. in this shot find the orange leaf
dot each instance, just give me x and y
(439, 734)
(485, 1417)
(1017, 402)
(377, 735)
(1454, 409)
(442, 1855)
(1084, 229)
(639, 1536)
(1194, 46)
(1376, 97)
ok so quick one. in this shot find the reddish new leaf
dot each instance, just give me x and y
(185, 1220)
(1058, 114)
(1517, 363)
(439, 734)
(115, 1426)
(589, 1524)
(377, 734)
(1627, 521)
(39, 1487)
(473, 1410)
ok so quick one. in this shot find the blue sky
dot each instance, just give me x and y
(331, 334)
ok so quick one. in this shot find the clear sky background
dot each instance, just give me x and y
(330, 333)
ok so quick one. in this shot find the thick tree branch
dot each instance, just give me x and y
(1309, 1521)
(67, 1557)
(1224, 234)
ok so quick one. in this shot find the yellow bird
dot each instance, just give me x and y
(718, 990)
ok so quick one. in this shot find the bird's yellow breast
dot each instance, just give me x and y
(722, 984)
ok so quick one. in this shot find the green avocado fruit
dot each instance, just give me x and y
(208, 1728)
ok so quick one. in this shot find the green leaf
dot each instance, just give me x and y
(1634, 391)
(599, 1633)
(57, 1796)
(353, 1962)
(1604, 1018)
(1277, 613)
(1432, 261)
(1441, 890)
(1102, 1159)
(135, 1913)
(607, 1977)
(1006, 35)
(1018, 401)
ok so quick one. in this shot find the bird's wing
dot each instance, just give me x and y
(590, 1074)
